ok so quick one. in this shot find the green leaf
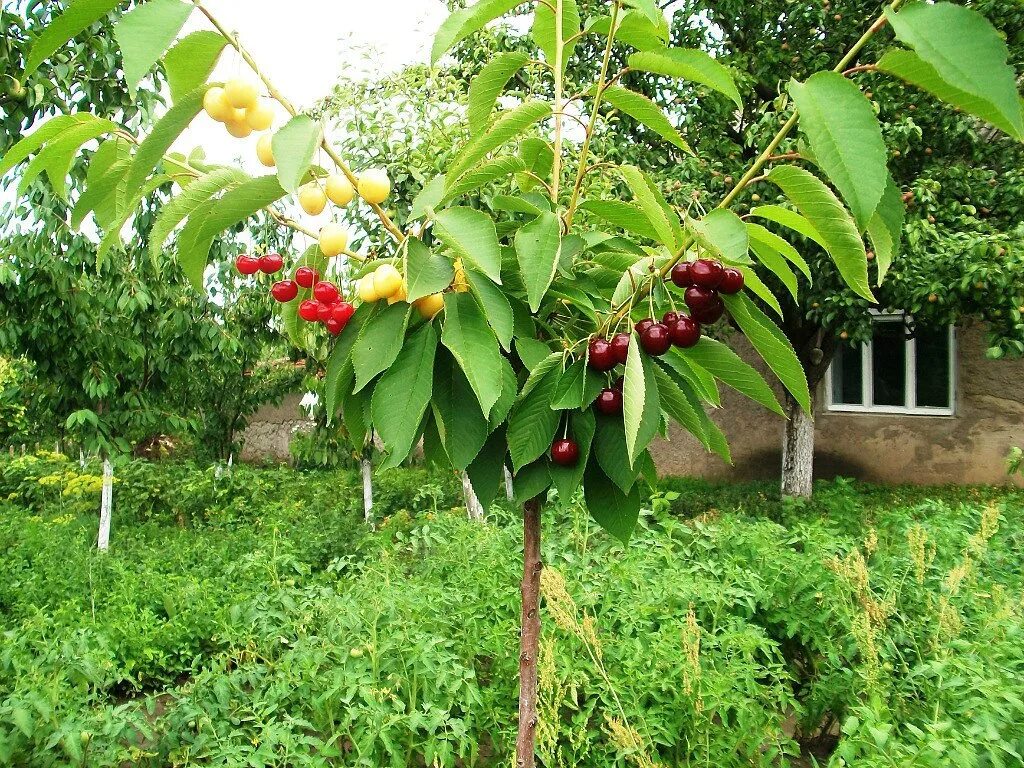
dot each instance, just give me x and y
(112, 237)
(48, 130)
(965, 52)
(487, 172)
(538, 246)
(340, 358)
(677, 406)
(772, 345)
(77, 17)
(754, 284)
(846, 139)
(469, 337)
(689, 64)
(791, 220)
(531, 481)
(507, 126)
(641, 403)
(663, 219)
(507, 400)
(534, 352)
(471, 235)
(495, 306)
(768, 239)
(144, 35)
(429, 197)
(615, 511)
(720, 361)
(297, 329)
(466, 21)
(294, 146)
(191, 199)
(426, 272)
(163, 135)
(532, 425)
(722, 232)
(646, 112)
(567, 480)
(55, 158)
(838, 231)
(488, 85)
(106, 170)
(401, 396)
(487, 472)
(625, 216)
(538, 372)
(544, 31)
(379, 343)
(569, 392)
(716, 439)
(635, 29)
(192, 60)
(611, 452)
(775, 263)
(886, 228)
(701, 381)
(461, 424)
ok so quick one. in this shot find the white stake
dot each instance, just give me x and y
(509, 491)
(367, 467)
(473, 505)
(106, 506)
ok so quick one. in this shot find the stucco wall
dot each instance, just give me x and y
(970, 447)
(271, 428)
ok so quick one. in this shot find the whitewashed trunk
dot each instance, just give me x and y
(510, 493)
(798, 453)
(367, 468)
(473, 505)
(106, 506)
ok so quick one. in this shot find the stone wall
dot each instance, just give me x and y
(270, 431)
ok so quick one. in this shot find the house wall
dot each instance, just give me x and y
(970, 447)
(270, 431)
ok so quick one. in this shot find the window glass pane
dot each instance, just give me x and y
(847, 369)
(933, 368)
(888, 358)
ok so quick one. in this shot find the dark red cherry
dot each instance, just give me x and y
(698, 298)
(334, 327)
(284, 290)
(684, 332)
(732, 282)
(707, 273)
(271, 263)
(619, 383)
(602, 358)
(609, 402)
(306, 276)
(325, 292)
(681, 274)
(247, 265)
(308, 310)
(620, 347)
(643, 325)
(709, 313)
(565, 453)
(670, 317)
(656, 340)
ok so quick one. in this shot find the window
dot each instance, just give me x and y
(896, 373)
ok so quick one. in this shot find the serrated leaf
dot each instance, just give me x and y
(56, 156)
(569, 392)
(544, 31)
(466, 21)
(846, 139)
(112, 236)
(641, 403)
(831, 220)
(615, 511)
(427, 272)
(690, 64)
(508, 125)
(777, 265)
(401, 396)
(634, 29)
(532, 481)
(48, 130)
(470, 339)
(495, 306)
(769, 239)
(428, 198)
(724, 364)
(97, 191)
(294, 146)
(487, 471)
(461, 424)
(145, 33)
(190, 199)
(645, 112)
(341, 354)
(532, 425)
(538, 371)
(487, 172)
(700, 381)
(722, 233)
(886, 228)
(791, 220)
(488, 85)
(379, 343)
(538, 246)
(77, 17)
(611, 452)
(753, 283)
(676, 405)
(657, 211)
(192, 60)
(163, 135)
(471, 235)
(625, 216)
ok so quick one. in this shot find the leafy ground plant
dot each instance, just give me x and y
(503, 330)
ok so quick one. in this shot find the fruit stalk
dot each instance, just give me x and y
(529, 640)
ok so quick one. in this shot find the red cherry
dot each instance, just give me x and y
(324, 312)
(619, 383)
(284, 290)
(670, 317)
(709, 315)
(308, 310)
(247, 265)
(643, 325)
(684, 332)
(334, 327)
(620, 347)
(342, 312)
(732, 282)
(306, 276)
(707, 273)
(602, 358)
(681, 274)
(565, 453)
(325, 292)
(609, 402)
(655, 340)
(271, 263)
(698, 298)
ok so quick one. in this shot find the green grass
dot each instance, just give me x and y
(253, 619)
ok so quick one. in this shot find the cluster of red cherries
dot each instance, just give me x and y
(704, 281)
(326, 306)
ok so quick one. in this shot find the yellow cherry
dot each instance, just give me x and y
(238, 129)
(339, 190)
(216, 105)
(366, 290)
(241, 94)
(333, 240)
(386, 281)
(402, 294)
(374, 186)
(430, 305)
(260, 117)
(265, 150)
(312, 199)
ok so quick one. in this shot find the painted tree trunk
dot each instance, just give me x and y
(529, 639)
(797, 452)
(473, 505)
(106, 506)
(367, 468)
(510, 493)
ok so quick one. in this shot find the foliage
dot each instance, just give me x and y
(251, 617)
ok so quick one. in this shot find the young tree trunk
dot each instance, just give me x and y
(510, 493)
(473, 505)
(367, 468)
(106, 506)
(529, 639)
(797, 452)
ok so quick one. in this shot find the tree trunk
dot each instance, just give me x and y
(797, 452)
(367, 467)
(510, 493)
(473, 505)
(106, 506)
(529, 639)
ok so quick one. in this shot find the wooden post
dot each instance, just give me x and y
(473, 506)
(510, 493)
(529, 639)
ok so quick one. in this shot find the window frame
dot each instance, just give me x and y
(910, 379)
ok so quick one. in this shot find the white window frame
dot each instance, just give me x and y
(910, 380)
